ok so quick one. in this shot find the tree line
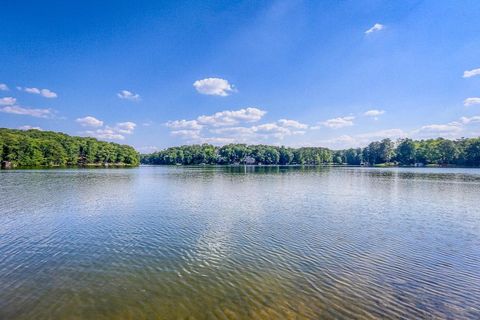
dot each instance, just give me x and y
(35, 148)
(462, 152)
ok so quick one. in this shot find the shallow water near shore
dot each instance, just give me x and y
(240, 243)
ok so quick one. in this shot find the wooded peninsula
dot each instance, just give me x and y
(35, 148)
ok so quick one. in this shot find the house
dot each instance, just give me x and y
(249, 160)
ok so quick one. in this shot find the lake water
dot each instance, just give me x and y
(240, 243)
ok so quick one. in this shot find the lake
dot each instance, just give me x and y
(240, 243)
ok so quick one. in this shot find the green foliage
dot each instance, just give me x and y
(464, 152)
(236, 154)
(33, 148)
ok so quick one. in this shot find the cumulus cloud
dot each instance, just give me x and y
(362, 139)
(46, 93)
(467, 120)
(7, 101)
(186, 134)
(440, 128)
(374, 113)
(339, 122)
(38, 113)
(471, 73)
(376, 27)
(89, 121)
(106, 134)
(3, 87)
(128, 95)
(471, 101)
(125, 127)
(116, 132)
(27, 127)
(184, 124)
(213, 86)
(228, 118)
(292, 124)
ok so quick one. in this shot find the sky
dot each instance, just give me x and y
(155, 74)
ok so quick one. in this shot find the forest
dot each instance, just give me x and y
(404, 152)
(35, 148)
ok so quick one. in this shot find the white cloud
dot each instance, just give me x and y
(228, 118)
(38, 113)
(466, 120)
(106, 134)
(376, 27)
(184, 124)
(471, 101)
(27, 127)
(7, 101)
(257, 133)
(128, 95)
(337, 123)
(125, 127)
(214, 86)
(3, 87)
(382, 134)
(471, 73)
(292, 124)
(434, 130)
(374, 113)
(46, 93)
(89, 121)
(186, 134)
(217, 140)
(363, 139)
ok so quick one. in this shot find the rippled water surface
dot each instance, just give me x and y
(240, 243)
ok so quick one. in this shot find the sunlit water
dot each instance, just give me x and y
(236, 243)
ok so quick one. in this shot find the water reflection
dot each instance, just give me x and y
(240, 242)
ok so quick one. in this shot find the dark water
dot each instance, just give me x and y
(230, 243)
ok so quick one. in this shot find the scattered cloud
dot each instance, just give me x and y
(89, 121)
(116, 132)
(46, 93)
(292, 124)
(467, 120)
(186, 134)
(363, 139)
(128, 95)
(441, 128)
(471, 73)
(374, 113)
(38, 113)
(214, 86)
(338, 123)
(228, 118)
(125, 127)
(471, 101)
(231, 126)
(376, 27)
(7, 101)
(3, 87)
(27, 127)
(184, 124)
(106, 134)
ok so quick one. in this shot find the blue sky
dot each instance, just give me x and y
(155, 74)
